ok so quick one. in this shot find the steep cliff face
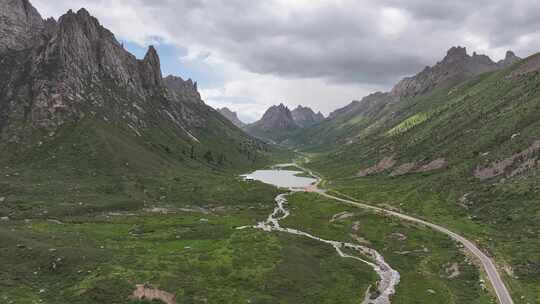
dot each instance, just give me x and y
(20, 25)
(80, 69)
(306, 117)
(77, 71)
(456, 66)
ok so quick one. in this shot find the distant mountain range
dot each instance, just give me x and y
(306, 117)
(278, 121)
(455, 67)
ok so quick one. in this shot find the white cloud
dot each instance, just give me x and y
(392, 22)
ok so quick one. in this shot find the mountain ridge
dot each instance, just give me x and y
(455, 67)
(78, 73)
(306, 117)
(232, 116)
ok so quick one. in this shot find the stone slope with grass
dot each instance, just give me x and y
(463, 155)
(75, 100)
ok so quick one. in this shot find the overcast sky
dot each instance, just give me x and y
(249, 54)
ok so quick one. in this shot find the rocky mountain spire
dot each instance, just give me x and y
(151, 69)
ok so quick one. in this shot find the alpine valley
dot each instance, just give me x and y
(119, 185)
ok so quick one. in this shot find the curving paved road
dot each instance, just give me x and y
(489, 266)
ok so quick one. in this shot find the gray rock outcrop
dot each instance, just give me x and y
(20, 25)
(53, 72)
(183, 89)
(231, 116)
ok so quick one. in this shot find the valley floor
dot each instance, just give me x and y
(195, 252)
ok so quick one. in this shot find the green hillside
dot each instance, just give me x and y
(466, 157)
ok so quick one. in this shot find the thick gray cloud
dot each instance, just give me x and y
(365, 41)
(369, 44)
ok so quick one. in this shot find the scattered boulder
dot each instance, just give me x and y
(464, 201)
(147, 292)
(157, 210)
(341, 216)
(453, 271)
(399, 236)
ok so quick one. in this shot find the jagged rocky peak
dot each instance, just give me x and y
(509, 59)
(456, 66)
(78, 69)
(455, 53)
(20, 25)
(153, 67)
(181, 89)
(305, 116)
(82, 50)
(232, 116)
(277, 118)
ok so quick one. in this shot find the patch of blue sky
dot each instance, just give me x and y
(174, 61)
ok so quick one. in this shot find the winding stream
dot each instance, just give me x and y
(389, 277)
